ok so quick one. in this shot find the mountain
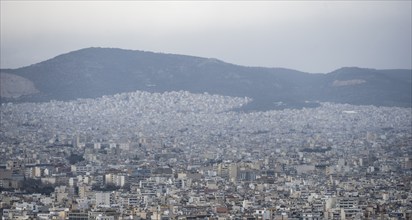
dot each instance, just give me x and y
(93, 72)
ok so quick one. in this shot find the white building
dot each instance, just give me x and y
(103, 199)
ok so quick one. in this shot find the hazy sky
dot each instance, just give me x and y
(312, 36)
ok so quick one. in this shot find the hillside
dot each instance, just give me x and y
(13, 86)
(93, 72)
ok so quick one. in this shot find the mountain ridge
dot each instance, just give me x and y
(93, 72)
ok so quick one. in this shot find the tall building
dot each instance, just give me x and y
(115, 179)
(228, 171)
(233, 172)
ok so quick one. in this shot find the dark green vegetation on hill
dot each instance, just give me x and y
(93, 72)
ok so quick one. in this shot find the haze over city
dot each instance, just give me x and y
(209, 110)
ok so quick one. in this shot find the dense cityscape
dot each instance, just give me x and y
(179, 155)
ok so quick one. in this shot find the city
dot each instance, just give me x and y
(180, 155)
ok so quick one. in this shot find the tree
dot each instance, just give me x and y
(75, 158)
(36, 186)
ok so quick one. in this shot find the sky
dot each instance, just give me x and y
(310, 36)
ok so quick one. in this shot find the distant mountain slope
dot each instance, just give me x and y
(13, 86)
(94, 72)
